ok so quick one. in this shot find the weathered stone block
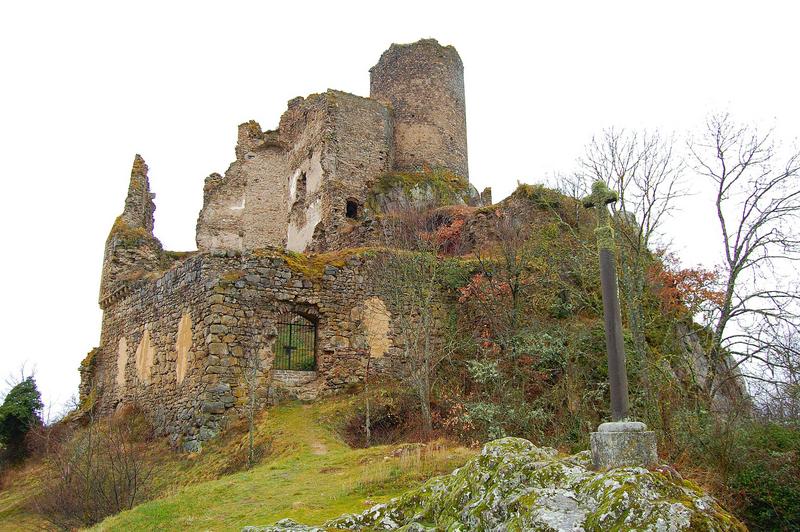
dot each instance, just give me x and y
(218, 348)
(192, 446)
(623, 444)
(219, 388)
(206, 434)
(229, 320)
(214, 407)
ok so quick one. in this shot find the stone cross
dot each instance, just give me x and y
(618, 379)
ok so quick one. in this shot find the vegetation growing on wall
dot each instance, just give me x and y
(428, 186)
(312, 265)
(128, 237)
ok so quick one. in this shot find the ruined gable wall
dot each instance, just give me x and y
(423, 82)
(290, 187)
(232, 302)
(266, 213)
(219, 225)
(306, 127)
(338, 143)
(247, 208)
(362, 152)
(131, 250)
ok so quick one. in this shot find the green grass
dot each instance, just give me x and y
(14, 515)
(309, 474)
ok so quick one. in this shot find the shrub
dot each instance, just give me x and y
(394, 417)
(98, 472)
(767, 474)
(539, 195)
(18, 415)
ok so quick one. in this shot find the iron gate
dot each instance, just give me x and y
(296, 345)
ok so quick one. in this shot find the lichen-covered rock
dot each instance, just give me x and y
(285, 525)
(514, 485)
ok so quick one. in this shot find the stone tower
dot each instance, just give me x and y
(131, 250)
(423, 82)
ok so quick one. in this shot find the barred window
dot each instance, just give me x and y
(296, 345)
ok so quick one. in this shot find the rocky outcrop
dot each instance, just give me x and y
(514, 485)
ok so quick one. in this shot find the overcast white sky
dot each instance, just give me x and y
(86, 85)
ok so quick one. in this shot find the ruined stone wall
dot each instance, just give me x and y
(266, 213)
(219, 225)
(290, 187)
(306, 126)
(139, 347)
(423, 82)
(363, 152)
(304, 185)
(338, 144)
(178, 345)
(131, 249)
(246, 208)
(360, 153)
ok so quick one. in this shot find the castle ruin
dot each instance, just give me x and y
(276, 298)
(296, 187)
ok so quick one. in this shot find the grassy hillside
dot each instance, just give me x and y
(308, 473)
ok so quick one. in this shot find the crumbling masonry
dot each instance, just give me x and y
(187, 335)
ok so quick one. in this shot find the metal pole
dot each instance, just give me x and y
(289, 348)
(615, 345)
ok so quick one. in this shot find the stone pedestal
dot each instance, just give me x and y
(623, 444)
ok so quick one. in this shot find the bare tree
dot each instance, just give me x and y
(757, 203)
(776, 362)
(505, 269)
(257, 373)
(410, 283)
(576, 186)
(646, 173)
(100, 471)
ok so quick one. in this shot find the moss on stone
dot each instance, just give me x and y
(87, 402)
(514, 485)
(438, 185)
(90, 359)
(232, 276)
(312, 265)
(252, 128)
(178, 255)
(539, 195)
(127, 236)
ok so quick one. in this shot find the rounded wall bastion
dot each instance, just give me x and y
(423, 83)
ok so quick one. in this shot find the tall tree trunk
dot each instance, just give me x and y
(425, 409)
(367, 428)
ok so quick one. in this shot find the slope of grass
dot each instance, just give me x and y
(14, 494)
(309, 475)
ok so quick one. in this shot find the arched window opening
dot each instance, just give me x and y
(352, 209)
(296, 345)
